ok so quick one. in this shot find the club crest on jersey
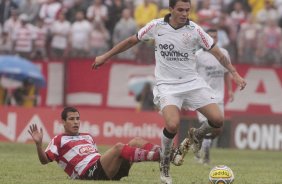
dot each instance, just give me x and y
(186, 38)
(85, 150)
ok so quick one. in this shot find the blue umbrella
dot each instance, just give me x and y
(18, 68)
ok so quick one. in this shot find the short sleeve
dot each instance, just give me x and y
(147, 32)
(52, 150)
(205, 40)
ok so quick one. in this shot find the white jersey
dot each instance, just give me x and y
(175, 50)
(212, 71)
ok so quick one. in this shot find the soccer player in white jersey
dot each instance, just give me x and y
(78, 155)
(178, 85)
(217, 77)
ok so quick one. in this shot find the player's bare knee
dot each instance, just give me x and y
(216, 121)
(118, 146)
(172, 125)
(216, 132)
(172, 128)
(136, 141)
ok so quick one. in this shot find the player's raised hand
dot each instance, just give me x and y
(98, 61)
(36, 135)
(239, 81)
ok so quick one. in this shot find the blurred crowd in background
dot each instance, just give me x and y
(54, 29)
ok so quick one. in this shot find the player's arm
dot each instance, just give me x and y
(37, 137)
(120, 47)
(227, 64)
(228, 84)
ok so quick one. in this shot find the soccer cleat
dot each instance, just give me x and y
(164, 170)
(179, 153)
(195, 143)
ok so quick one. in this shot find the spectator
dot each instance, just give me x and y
(41, 33)
(125, 27)
(26, 96)
(80, 36)
(3, 95)
(145, 12)
(226, 24)
(278, 5)
(206, 15)
(6, 8)
(97, 12)
(12, 24)
(271, 44)
(30, 8)
(145, 98)
(23, 38)
(60, 31)
(247, 41)
(256, 6)
(5, 43)
(115, 13)
(238, 15)
(49, 11)
(99, 39)
(78, 6)
(268, 13)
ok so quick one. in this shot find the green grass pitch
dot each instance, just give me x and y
(19, 165)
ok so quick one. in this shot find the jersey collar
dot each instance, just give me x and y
(167, 16)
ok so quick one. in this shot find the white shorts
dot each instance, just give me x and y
(192, 99)
(202, 118)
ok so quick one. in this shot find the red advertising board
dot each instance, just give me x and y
(107, 126)
(108, 86)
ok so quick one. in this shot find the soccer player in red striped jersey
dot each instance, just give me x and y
(78, 155)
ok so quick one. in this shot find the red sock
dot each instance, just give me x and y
(151, 147)
(134, 154)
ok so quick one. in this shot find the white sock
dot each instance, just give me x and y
(204, 129)
(166, 145)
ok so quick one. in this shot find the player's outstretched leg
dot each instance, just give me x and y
(178, 154)
(194, 140)
(191, 142)
(164, 170)
(166, 145)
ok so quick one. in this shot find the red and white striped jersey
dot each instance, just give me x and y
(75, 154)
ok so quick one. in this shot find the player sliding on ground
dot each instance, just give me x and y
(78, 155)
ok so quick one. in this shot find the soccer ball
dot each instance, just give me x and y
(221, 174)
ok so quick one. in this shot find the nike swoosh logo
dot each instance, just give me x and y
(161, 34)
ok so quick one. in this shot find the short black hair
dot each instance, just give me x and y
(172, 3)
(65, 112)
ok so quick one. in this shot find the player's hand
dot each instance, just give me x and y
(230, 96)
(99, 61)
(36, 135)
(240, 81)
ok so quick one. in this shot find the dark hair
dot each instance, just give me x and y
(65, 112)
(172, 3)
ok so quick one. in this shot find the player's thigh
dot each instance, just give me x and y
(171, 114)
(212, 112)
(111, 160)
(201, 117)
